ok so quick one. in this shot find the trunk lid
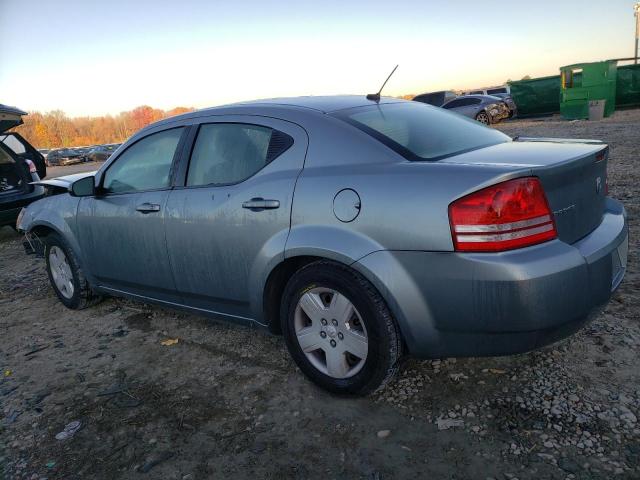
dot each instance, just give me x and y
(10, 117)
(573, 174)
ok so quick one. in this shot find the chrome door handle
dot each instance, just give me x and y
(148, 207)
(259, 203)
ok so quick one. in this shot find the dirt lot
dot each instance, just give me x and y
(227, 402)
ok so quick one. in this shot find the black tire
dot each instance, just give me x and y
(83, 296)
(483, 117)
(384, 338)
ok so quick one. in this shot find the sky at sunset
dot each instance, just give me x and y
(94, 58)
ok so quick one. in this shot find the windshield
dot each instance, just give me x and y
(421, 132)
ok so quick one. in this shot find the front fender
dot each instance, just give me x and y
(57, 213)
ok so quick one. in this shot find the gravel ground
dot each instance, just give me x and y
(227, 402)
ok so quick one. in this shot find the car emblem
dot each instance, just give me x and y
(598, 185)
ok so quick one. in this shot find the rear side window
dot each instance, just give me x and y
(452, 104)
(145, 165)
(496, 90)
(5, 158)
(228, 153)
(14, 144)
(421, 132)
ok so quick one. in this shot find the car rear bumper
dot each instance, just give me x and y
(478, 304)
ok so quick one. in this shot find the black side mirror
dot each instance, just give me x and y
(85, 187)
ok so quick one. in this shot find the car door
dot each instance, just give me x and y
(121, 229)
(231, 217)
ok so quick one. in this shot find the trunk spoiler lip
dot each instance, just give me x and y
(558, 140)
(65, 181)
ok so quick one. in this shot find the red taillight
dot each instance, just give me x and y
(32, 166)
(512, 214)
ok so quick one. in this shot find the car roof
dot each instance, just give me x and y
(324, 104)
(311, 104)
(481, 97)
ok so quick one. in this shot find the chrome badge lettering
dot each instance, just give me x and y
(564, 210)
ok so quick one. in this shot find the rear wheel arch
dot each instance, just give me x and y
(276, 284)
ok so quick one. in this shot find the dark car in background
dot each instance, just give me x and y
(64, 156)
(437, 99)
(485, 109)
(83, 152)
(100, 153)
(20, 164)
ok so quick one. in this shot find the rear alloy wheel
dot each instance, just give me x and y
(339, 330)
(483, 117)
(331, 333)
(66, 276)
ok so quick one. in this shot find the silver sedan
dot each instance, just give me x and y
(485, 109)
(361, 230)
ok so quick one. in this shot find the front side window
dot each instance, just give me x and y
(421, 132)
(146, 165)
(228, 153)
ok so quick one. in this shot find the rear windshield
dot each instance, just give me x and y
(421, 132)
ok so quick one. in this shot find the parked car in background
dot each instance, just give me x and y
(12, 117)
(437, 99)
(44, 152)
(83, 152)
(18, 168)
(489, 91)
(362, 230)
(101, 153)
(64, 156)
(506, 98)
(483, 108)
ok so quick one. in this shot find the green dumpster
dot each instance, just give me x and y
(537, 96)
(584, 82)
(628, 86)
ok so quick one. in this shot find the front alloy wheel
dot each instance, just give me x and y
(61, 272)
(66, 275)
(483, 117)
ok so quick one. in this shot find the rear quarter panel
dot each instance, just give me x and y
(404, 205)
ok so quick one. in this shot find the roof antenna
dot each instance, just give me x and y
(376, 96)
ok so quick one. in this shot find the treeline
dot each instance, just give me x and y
(54, 129)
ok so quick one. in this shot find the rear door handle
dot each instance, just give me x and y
(148, 207)
(259, 203)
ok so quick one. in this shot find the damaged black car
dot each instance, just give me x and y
(20, 164)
